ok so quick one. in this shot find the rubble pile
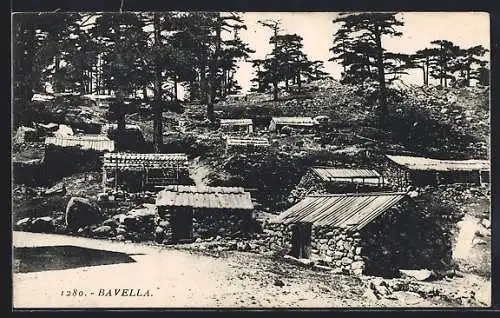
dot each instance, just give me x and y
(412, 292)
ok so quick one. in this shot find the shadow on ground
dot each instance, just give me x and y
(46, 258)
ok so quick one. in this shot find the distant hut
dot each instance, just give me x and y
(65, 155)
(305, 123)
(87, 142)
(243, 143)
(237, 125)
(200, 211)
(404, 171)
(140, 171)
(132, 137)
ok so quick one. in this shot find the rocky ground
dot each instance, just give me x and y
(180, 278)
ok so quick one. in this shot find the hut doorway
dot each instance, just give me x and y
(182, 225)
(301, 240)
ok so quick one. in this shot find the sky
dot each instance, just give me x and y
(463, 28)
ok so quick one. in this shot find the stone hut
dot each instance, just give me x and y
(237, 125)
(303, 123)
(193, 212)
(243, 143)
(352, 233)
(405, 171)
(320, 179)
(143, 170)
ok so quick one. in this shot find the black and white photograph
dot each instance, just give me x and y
(202, 159)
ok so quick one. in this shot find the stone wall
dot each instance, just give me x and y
(337, 248)
(207, 224)
(330, 246)
(210, 223)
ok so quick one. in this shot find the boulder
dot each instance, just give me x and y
(23, 224)
(346, 261)
(103, 231)
(121, 230)
(24, 134)
(420, 275)
(279, 283)
(111, 222)
(63, 131)
(159, 234)
(81, 212)
(43, 224)
(59, 188)
(357, 265)
(120, 237)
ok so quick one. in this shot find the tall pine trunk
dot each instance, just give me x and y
(382, 109)
(157, 105)
(427, 71)
(203, 85)
(299, 81)
(175, 87)
(212, 81)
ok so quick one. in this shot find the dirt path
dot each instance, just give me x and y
(49, 269)
(466, 232)
(174, 279)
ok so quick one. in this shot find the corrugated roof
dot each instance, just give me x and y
(233, 198)
(94, 142)
(144, 160)
(244, 141)
(351, 211)
(236, 122)
(422, 163)
(329, 173)
(294, 121)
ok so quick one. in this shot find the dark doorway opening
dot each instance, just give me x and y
(182, 225)
(301, 240)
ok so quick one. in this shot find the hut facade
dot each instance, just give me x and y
(404, 171)
(200, 211)
(237, 125)
(140, 171)
(277, 123)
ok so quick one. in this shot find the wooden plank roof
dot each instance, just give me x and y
(294, 121)
(94, 142)
(236, 122)
(144, 160)
(243, 141)
(427, 164)
(231, 198)
(351, 211)
(329, 173)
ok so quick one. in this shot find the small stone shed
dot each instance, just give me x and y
(404, 171)
(237, 125)
(201, 212)
(240, 143)
(321, 179)
(142, 170)
(295, 122)
(330, 228)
